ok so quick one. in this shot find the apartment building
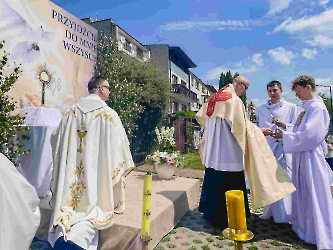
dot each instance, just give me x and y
(188, 91)
(126, 42)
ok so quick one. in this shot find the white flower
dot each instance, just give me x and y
(164, 155)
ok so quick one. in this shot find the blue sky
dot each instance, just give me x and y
(263, 40)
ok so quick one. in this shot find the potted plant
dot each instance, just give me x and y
(165, 157)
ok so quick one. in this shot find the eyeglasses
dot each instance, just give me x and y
(108, 87)
(246, 87)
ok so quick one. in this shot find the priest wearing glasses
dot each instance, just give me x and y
(90, 157)
(230, 145)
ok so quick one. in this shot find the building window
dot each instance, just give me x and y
(174, 79)
(183, 83)
(197, 85)
(193, 82)
(184, 107)
(174, 107)
(127, 46)
(139, 53)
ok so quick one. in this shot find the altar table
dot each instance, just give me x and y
(36, 166)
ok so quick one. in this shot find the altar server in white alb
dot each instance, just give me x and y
(19, 211)
(312, 204)
(277, 109)
(90, 156)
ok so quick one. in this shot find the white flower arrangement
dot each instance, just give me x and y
(165, 144)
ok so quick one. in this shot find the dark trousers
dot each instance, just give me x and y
(61, 244)
(213, 201)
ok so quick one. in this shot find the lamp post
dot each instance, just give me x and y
(330, 87)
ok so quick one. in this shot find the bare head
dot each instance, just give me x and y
(241, 84)
(99, 86)
(274, 90)
(304, 87)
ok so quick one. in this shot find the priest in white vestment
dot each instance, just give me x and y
(286, 113)
(19, 211)
(90, 156)
(228, 139)
(312, 205)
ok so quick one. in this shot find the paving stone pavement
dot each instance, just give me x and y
(192, 234)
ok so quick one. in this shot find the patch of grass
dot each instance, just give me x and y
(205, 247)
(230, 244)
(218, 245)
(192, 248)
(200, 180)
(173, 231)
(159, 248)
(276, 243)
(296, 246)
(193, 161)
(220, 237)
(210, 239)
(252, 248)
(166, 239)
(197, 241)
(169, 245)
(185, 244)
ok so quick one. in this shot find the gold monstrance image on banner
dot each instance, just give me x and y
(44, 75)
(48, 79)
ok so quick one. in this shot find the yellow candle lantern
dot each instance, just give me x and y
(146, 206)
(237, 230)
(236, 210)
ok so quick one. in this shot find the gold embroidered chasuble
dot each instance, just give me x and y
(90, 156)
(268, 182)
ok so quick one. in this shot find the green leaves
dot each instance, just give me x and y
(226, 79)
(135, 85)
(10, 125)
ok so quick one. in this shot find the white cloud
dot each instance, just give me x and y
(211, 25)
(309, 54)
(324, 82)
(323, 2)
(278, 6)
(258, 102)
(215, 73)
(257, 59)
(321, 41)
(290, 96)
(318, 24)
(281, 55)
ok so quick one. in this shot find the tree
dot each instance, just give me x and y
(140, 92)
(227, 78)
(10, 125)
(124, 96)
(327, 102)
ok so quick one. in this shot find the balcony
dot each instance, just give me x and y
(184, 93)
